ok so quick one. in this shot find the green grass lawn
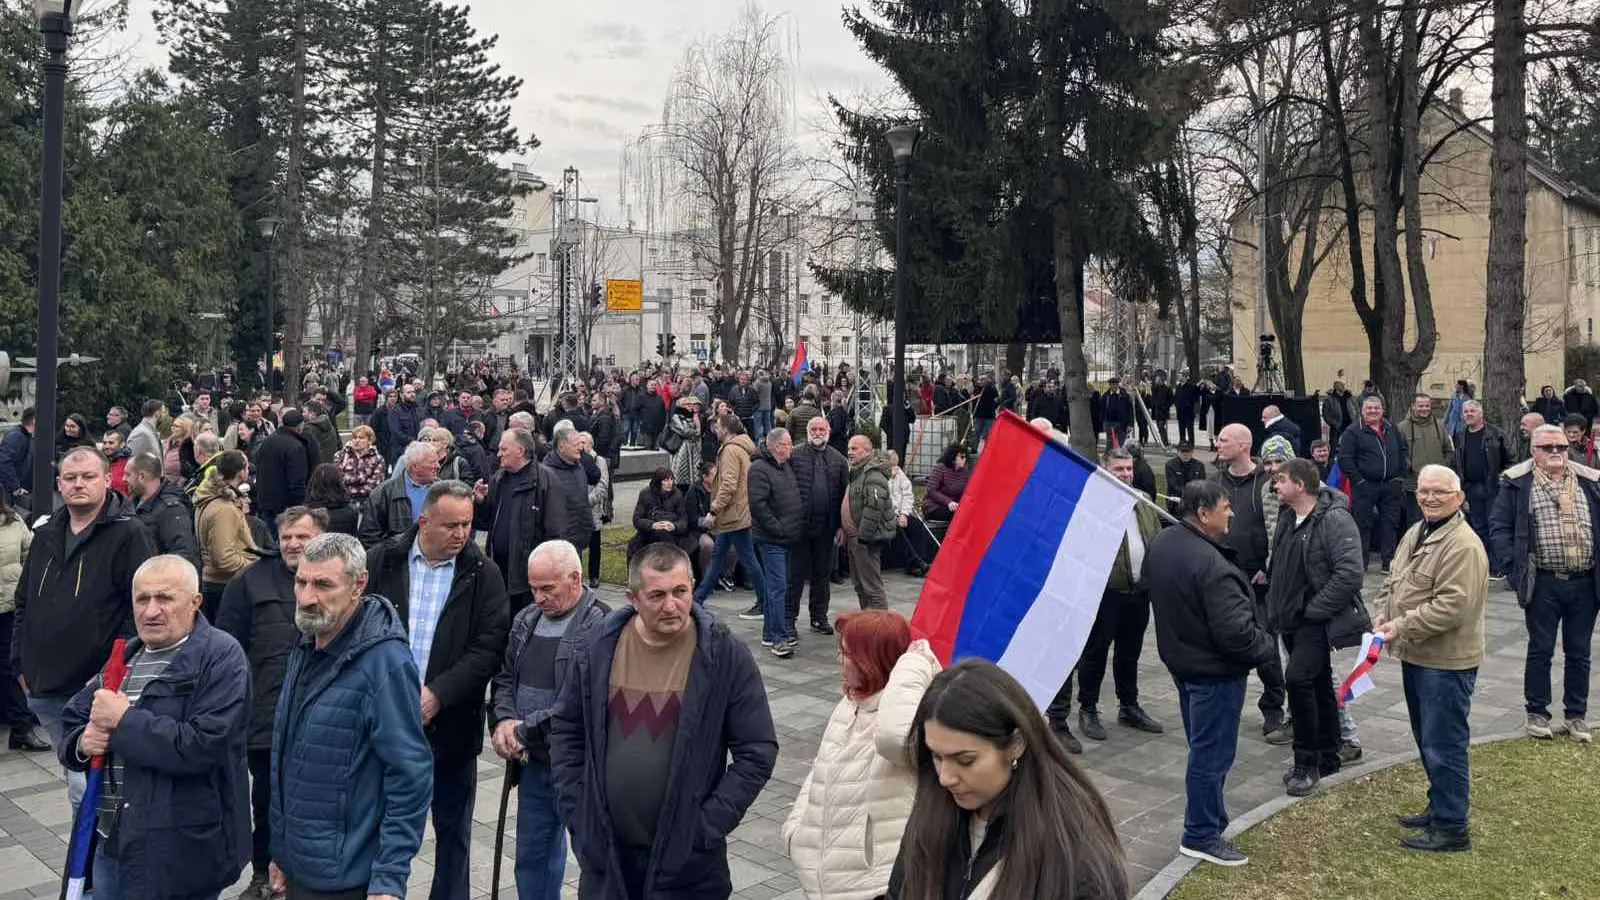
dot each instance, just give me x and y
(1535, 834)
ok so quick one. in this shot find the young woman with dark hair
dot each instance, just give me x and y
(861, 774)
(325, 490)
(1002, 813)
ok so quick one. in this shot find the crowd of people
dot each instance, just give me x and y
(329, 627)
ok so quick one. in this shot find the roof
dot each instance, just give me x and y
(1541, 168)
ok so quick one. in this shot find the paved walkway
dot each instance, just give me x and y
(1141, 775)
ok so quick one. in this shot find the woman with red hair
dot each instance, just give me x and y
(844, 831)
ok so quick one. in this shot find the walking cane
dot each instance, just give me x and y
(509, 782)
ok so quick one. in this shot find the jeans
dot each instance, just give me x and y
(48, 711)
(260, 809)
(1185, 424)
(541, 838)
(744, 545)
(810, 561)
(594, 554)
(1120, 624)
(630, 429)
(776, 626)
(982, 433)
(1273, 689)
(1439, 701)
(1211, 715)
(455, 785)
(1376, 506)
(1480, 499)
(763, 424)
(1569, 605)
(1311, 702)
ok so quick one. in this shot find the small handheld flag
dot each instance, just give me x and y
(1359, 681)
(801, 364)
(80, 855)
(1019, 578)
(1338, 482)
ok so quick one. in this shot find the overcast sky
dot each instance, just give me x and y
(596, 71)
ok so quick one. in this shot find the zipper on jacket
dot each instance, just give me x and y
(45, 574)
(77, 590)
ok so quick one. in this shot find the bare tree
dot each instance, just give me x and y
(594, 260)
(728, 146)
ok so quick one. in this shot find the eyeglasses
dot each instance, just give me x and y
(1551, 448)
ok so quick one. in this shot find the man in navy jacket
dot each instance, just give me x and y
(1374, 456)
(658, 701)
(175, 813)
(352, 775)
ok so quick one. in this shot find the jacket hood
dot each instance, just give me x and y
(375, 621)
(1328, 498)
(1579, 469)
(170, 490)
(123, 452)
(743, 441)
(212, 489)
(877, 461)
(1242, 480)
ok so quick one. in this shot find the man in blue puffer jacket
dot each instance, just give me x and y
(352, 775)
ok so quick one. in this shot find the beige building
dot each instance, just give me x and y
(1563, 272)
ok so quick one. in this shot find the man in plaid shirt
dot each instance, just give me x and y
(453, 600)
(1542, 536)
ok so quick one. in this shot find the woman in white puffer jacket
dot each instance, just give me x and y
(844, 831)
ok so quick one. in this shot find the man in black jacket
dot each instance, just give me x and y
(283, 464)
(1161, 396)
(1119, 414)
(453, 600)
(1181, 470)
(1373, 455)
(258, 610)
(74, 589)
(576, 471)
(1275, 424)
(742, 397)
(821, 473)
(775, 516)
(163, 508)
(1208, 637)
(520, 506)
(1314, 599)
(1481, 454)
(1188, 399)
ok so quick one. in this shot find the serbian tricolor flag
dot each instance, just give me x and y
(1338, 482)
(80, 852)
(1019, 577)
(1359, 681)
(801, 364)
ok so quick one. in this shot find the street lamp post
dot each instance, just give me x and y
(902, 141)
(55, 24)
(268, 227)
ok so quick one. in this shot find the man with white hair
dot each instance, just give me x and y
(397, 503)
(1430, 614)
(174, 737)
(1543, 534)
(524, 694)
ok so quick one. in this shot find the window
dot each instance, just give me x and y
(844, 346)
(827, 306)
(827, 346)
(544, 263)
(697, 344)
(805, 304)
(697, 299)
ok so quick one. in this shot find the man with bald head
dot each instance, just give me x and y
(821, 473)
(1276, 424)
(1525, 427)
(174, 737)
(1246, 483)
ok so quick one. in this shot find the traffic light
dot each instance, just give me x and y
(596, 295)
(672, 345)
(661, 345)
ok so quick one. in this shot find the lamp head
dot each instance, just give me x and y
(268, 226)
(902, 141)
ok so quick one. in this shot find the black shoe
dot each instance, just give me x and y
(1301, 781)
(1420, 820)
(820, 627)
(1432, 841)
(1349, 753)
(594, 583)
(754, 614)
(1134, 716)
(916, 571)
(1218, 852)
(1089, 721)
(1283, 734)
(1385, 567)
(1270, 722)
(1064, 735)
(26, 740)
(838, 579)
(725, 584)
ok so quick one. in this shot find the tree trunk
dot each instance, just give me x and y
(1338, 125)
(294, 281)
(1016, 357)
(1505, 305)
(366, 298)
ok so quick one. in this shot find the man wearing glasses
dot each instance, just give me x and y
(1542, 535)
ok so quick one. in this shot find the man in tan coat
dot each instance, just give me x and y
(730, 506)
(1430, 616)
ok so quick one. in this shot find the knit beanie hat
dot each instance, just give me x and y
(1277, 447)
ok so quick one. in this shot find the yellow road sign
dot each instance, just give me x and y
(624, 295)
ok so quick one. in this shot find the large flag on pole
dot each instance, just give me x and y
(801, 364)
(1020, 575)
(80, 853)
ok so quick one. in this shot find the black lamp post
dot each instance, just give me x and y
(902, 141)
(268, 227)
(55, 24)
